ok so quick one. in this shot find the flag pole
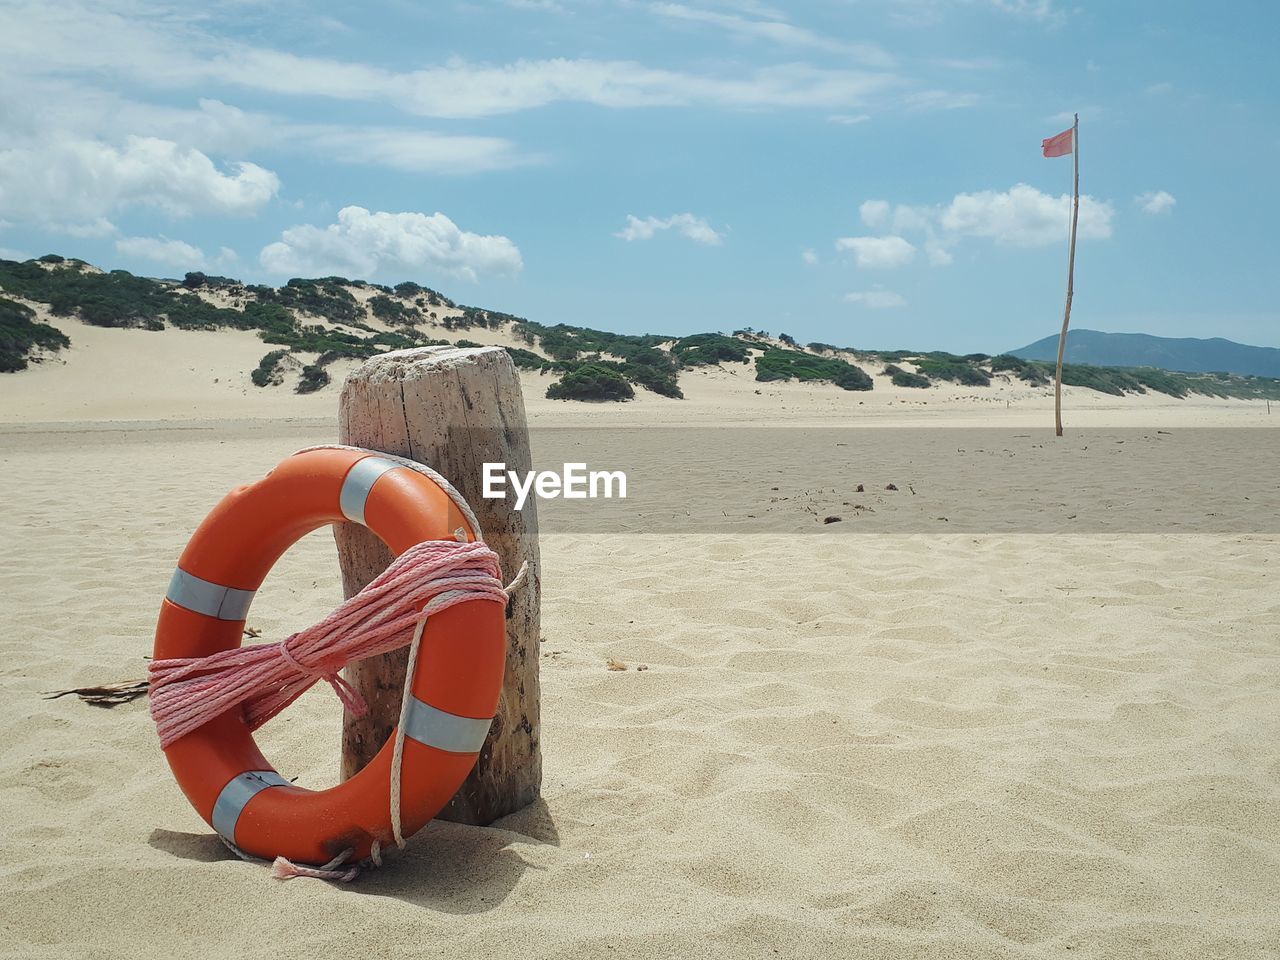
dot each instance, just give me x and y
(1071, 274)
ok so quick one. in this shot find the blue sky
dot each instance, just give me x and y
(861, 173)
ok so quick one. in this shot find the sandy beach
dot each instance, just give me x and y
(910, 742)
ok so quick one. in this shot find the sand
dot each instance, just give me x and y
(911, 742)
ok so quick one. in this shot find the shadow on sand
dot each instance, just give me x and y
(447, 867)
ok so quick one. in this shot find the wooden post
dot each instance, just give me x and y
(1071, 274)
(453, 409)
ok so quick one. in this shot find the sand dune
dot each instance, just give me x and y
(117, 374)
(900, 744)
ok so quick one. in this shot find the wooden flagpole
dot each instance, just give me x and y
(1071, 275)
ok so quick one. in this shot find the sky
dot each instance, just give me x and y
(858, 172)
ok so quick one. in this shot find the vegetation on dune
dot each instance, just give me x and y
(393, 311)
(956, 369)
(777, 364)
(327, 298)
(705, 349)
(314, 376)
(1032, 373)
(563, 342)
(904, 378)
(21, 333)
(528, 360)
(412, 291)
(592, 381)
(638, 358)
(196, 280)
(1118, 381)
(655, 371)
(323, 318)
(478, 317)
(268, 372)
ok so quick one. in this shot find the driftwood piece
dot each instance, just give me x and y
(453, 409)
(105, 695)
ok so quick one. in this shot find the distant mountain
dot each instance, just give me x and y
(1184, 354)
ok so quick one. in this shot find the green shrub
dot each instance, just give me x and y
(1110, 380)
(660, 380)
(1027, 370)
(21, 332)
(904, 378)
(412, 291)
(268, 372)
(325, 298)
(591, 381)
(956, 369)
(527, 359)
(792, 365)
(313, 378)
(704, 349)
(393, 311)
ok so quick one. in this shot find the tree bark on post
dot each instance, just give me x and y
(453, 409)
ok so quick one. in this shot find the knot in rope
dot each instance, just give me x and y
(345, 692)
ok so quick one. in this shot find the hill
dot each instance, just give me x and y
(1184, 354)
(307, 325)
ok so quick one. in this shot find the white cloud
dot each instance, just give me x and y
(171, 253)
(546, 6)
(364, 244)
(1041, 10)
(93, 229)
(930, 12)
(878, 253)
(809, 257)
(176, 51)
(177, 254)
(777, 31)
(215, 127)
(877, 298)
(415, 151)
(82, 181)
(939, 256)
(907, 218)
(1023, 216)
(465, 90)
(940, 100)
(1155, 202)
(849, 119)
(875, 213)
(686, 224)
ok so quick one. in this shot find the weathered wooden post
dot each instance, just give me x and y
(453, 409)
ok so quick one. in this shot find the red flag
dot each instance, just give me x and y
(1059, 146)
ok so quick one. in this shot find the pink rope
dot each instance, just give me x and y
(285, 869)
(262, 680)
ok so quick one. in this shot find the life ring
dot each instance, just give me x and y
(455, 686)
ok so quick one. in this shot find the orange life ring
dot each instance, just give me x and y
(455, 687)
